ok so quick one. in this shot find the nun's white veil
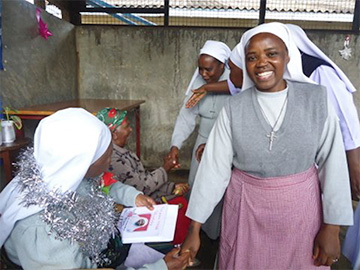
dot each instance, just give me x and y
(216, 49)
(65, 145)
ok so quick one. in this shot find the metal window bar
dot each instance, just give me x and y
(125, 17)
(124, 14)
(356, 21)
(323, 14)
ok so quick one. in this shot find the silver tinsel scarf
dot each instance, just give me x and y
(88, 219)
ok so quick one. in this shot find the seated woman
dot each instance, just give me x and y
(53, 213)
(127, 167)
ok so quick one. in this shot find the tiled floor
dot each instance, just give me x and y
(209, 248)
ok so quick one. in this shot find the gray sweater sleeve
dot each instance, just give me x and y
(213, 175)
(124, 194)
(184, 125)
(31, 246)
(159, 265)
(333, 173)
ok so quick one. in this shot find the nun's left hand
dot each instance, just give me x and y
(142, 200)
(353, 159)
(199, 151)
(326, 249)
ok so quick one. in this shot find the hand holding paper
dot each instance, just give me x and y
(140, 225)
(142, 200)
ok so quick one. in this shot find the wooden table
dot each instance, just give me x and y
(5, 154)
(92, 105)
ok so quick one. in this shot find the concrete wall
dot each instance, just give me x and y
(156, 64)
(153, 64)
(36, 70)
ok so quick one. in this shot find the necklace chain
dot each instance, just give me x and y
(271, 135)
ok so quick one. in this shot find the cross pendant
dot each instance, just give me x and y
(271, 137)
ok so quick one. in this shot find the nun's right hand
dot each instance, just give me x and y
(142, 200)
(174, 156)
(192, 241)
(198, 94)
(175, 261)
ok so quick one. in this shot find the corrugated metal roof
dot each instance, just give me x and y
(330, 6)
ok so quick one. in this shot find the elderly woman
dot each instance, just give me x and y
(212, 67)
(53, 213)
(285, 195)
(127, 167)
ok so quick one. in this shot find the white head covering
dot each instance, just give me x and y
(307, 46)
(65, 145)
(216, 49)
(293, 70)
(235, 56)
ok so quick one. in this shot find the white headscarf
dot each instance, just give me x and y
(216, 49)
(235, 56)
(293, 70)
(307, 46)
(65, 145)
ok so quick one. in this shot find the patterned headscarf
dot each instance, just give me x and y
(112, 117)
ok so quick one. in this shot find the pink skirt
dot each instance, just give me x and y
(270, 223)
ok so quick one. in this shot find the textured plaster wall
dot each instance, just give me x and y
(36, 70)
(330, 44)
(153, 64)
(156, 65)
(149, 63)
